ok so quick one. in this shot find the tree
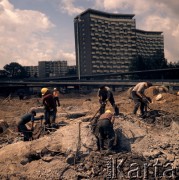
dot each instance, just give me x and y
(15, 70)
(137, 64)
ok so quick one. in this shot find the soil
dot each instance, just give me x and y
(69, 152)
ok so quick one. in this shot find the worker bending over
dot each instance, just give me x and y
(29, 117)
(104, 130)
(105, 95)
(139, 98)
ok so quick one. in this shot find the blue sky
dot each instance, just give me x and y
(37, 30)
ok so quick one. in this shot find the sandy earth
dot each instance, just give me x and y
(70, 151)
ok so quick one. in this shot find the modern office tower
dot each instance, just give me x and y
(52, 68)
(107, 43)
(32, 71)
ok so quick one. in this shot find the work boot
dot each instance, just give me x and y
(143, 116)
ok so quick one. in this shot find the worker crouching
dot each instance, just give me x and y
(104, 130)
(29, 117)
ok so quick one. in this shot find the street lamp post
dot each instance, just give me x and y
(78, 20)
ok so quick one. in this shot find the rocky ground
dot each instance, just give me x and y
(145, 148)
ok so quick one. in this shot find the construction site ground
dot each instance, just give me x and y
(144, 148)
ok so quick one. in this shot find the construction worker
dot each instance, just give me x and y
(56, 96)
(139, 98)
(24, 120)
(49, 105)
(104, 130)
(105, 95)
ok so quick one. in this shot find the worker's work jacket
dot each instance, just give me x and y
(106, 116)
(49, 102)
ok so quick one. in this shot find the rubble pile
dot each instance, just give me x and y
(101, 165)
(160, 118)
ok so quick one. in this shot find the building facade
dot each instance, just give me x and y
(107, 43)
(52, 68)
(32, 71)
(149, 44)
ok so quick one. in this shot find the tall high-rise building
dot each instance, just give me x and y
(107, 43)
(52, 68)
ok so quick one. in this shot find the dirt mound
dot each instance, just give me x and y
(154, 90)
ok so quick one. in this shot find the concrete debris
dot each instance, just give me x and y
(158, 97)
(74, 115)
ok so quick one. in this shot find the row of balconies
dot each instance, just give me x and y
(108, 71)
(149, 48)
(101, 49)
(119, 53)
(104, 28)
(150, 42)
(113, 40)
(115, 34)
(112, 58)
(116, 54)
(108, 67)
(99, 21)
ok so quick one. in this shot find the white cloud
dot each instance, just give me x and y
(24, 37)
(67, 6)
(156, 23)
(176, 32)
(120, 5)
(65, 55)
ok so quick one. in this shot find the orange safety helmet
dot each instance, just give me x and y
(43, 91)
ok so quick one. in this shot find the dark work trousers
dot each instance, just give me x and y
(56, 99)
(27, 133)
(138, 103)
(112, 102)
(105, 131)
(50, 116)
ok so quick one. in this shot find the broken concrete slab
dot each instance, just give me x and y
(74, 115)
(158, 97)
